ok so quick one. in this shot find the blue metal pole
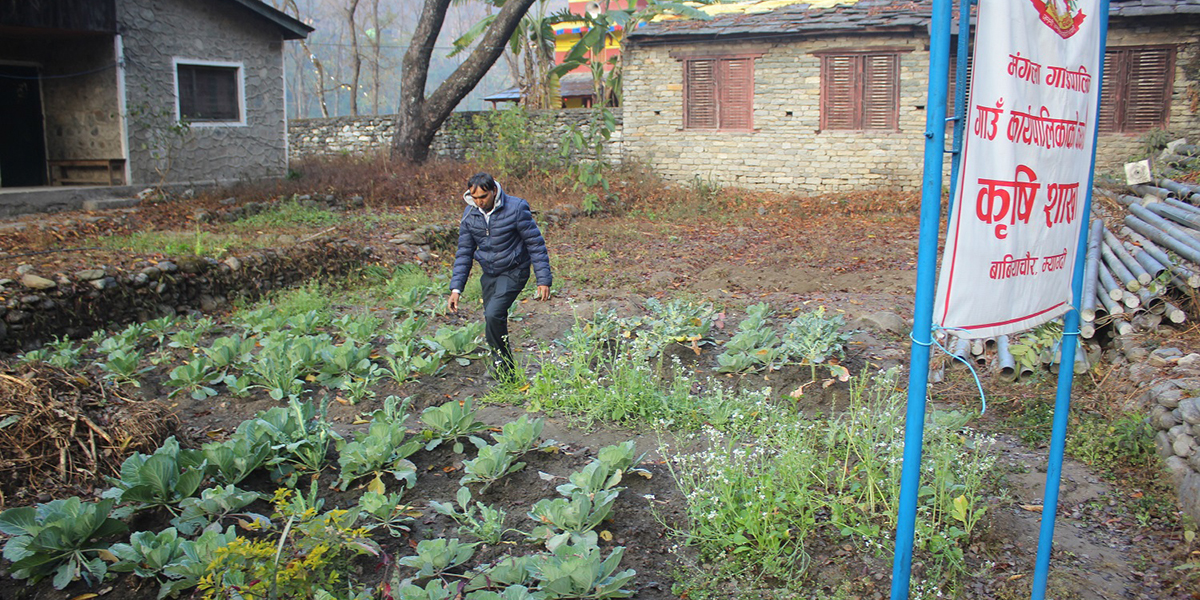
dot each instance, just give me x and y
(1066, 372)
(918, 368)
(960, 95)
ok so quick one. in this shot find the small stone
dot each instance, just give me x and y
(287, 240)
(5, 282)
(229, 201)
(141, 279)
(424, 256)
(1189, 411)
(1142, 373)
(89, 274)
(207, 303)
(151, 272)
(1136, 353)
(38, 283)
(1188, 384)
(1184, 446)
(99, 284)
(233, 263)
(1178, 467)
(31, 299)
(192, 264)
(23, 269)
(1191, 361)
(884, 321)
(15, 316)
(167, 266)
(202, 216)
(1170, 398)
(1165, 420)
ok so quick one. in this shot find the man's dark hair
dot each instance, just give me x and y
(482, 181)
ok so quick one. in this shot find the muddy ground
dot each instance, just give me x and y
(791, 256)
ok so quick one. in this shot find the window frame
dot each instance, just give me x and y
(857, 106)
(1121, 117)
(239, 73)
(721, 61)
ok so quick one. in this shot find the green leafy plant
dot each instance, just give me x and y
(162, 479)
(492, 463)
(478, 519)
(214, 504)
(462, 343)
(386, 511)
(358, 327)
(449, 423)
(383, 448)
(234, 459)
(58, 538)
(230, 351)
(578, 571)
(604, 473)
(563, 520)
(812, 338)
(435, 557)
(190, 333)
(339, 364)
(122, 365)
(676, 322)
(755, 346)
(520, 436)
(194, 377)
(298, 435)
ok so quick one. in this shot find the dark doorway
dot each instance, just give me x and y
(22, 143)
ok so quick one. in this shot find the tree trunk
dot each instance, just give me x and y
(356, 59)
(421, 117)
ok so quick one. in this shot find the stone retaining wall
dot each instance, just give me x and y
(39, 307)
(1174, 406)
(462, 132)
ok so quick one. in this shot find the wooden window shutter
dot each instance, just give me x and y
(700, 105)
(1112, 94)
(737, 94)
(954, 84)
(838, 91)
(880, 91)
(1149, 77)
(1136, 95)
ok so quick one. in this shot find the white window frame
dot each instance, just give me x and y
(241, 89)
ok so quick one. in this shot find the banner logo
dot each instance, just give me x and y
(1061, 16)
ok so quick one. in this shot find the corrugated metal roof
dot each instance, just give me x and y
(835, 17)
(571, 85)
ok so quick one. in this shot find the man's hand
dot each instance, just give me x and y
(543, 293)
(453, 304)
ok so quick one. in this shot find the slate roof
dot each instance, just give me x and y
(292, 28)
(771, 18)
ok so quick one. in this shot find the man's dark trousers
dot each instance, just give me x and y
(499, 293)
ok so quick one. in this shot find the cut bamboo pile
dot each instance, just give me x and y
(1136, 276)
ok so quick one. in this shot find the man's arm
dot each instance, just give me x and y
(536, 245)
(462, 263)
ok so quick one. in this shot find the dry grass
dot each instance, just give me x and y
(67, 429)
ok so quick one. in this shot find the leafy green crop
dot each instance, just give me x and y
(213, 505)
(382, 448)
(812, 338)
(490, 465)
(435, 557)
(450, 422)
(162, 479)
(194, 377)
(462, 344)
(233, 460)
(57, 537)
(387, 511)
(573, 571)
(571, 520)
(482, 521)
(520, 436)
(754, 346)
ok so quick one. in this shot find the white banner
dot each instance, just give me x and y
(1013, 234)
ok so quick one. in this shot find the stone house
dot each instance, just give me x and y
(800, 98)
(93, 92)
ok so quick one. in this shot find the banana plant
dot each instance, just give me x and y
(450, 422)
(59, 538)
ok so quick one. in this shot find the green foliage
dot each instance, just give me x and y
(290, 213)
(461, 343)
(434, 557)
(449, 423)
(490, 465)
(604, 473)
(358, 327)
(121, 366)
(235, 459)
(191, 332)
(381, 449)
(587, 165)
(520, 436)
(339, 364)
(298, 436)
(573, 519)
(214, 504)
(58, 538)
(194, 377)
(480, 520)
(506, 144)
(577, 571)
(1028, 349)
(386, 511)
(230, 352)
(754, 347)
(162, 479)
(311, 558)
(812, 338)
(676, 322)
(148, 553)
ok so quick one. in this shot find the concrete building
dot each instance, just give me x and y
(112, 92)
(830, 96)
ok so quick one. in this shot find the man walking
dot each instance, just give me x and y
(498, 230)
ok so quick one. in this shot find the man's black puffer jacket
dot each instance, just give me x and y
(509, 239)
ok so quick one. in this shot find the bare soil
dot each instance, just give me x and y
(791, 255)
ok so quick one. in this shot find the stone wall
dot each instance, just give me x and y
(786, 151)
(43, 305)
(1112, 150)
(459, 135)
(202, 31)
(1173, 402)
